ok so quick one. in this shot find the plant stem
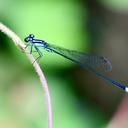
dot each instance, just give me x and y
(19, 43)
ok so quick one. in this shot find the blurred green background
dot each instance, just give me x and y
(79, 98)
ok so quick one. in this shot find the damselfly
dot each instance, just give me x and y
(95, 64)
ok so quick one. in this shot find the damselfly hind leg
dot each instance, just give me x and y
(39, 53)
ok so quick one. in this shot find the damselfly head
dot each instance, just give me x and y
(29, 38)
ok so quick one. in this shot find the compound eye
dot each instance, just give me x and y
(26, 39)
(31, 36)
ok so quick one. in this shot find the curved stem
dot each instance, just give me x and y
(17, 41)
